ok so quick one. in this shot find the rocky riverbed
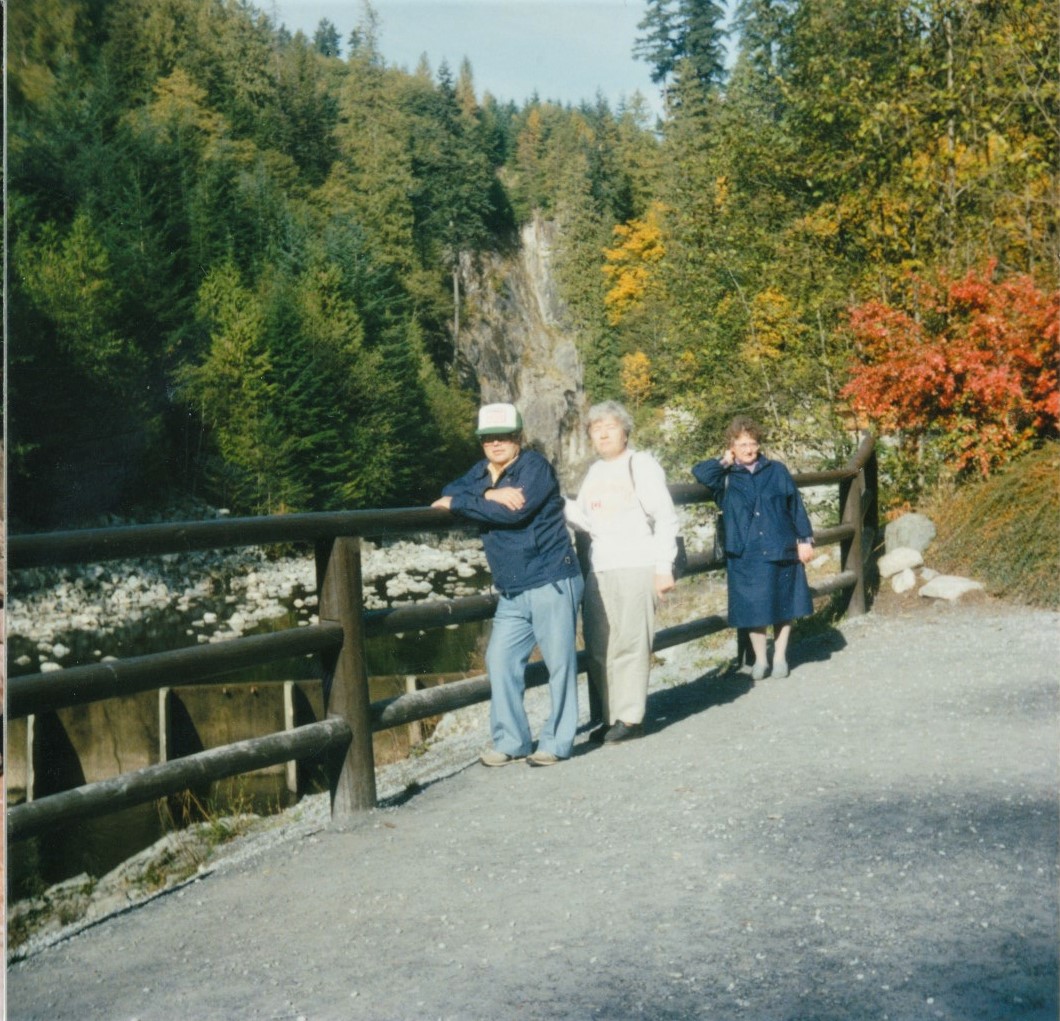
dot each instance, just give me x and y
(66, 616)
(60, 617)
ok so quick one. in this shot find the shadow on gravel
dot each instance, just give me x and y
(817, 646)
(1030, 701)
(418, 787)
(714, 688)
(726, 683)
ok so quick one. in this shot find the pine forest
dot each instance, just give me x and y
(235, 254)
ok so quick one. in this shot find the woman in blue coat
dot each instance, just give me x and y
(768, 540)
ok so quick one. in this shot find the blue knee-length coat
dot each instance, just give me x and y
(765, 519)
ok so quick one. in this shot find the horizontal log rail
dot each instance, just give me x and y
(79, 685)
(420, 705)
(324, 738)
(431, 614)
(90, 545)
(439, 613)
(837, 583)
(59, 689)
(338, 640)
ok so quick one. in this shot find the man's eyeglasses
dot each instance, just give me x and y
(500, 438)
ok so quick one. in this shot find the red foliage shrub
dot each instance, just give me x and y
(977, 368)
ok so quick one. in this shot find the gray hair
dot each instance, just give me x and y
(610, 409)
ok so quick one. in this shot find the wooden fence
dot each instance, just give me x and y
(343, 738)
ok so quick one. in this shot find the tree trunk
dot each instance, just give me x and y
(456, 301)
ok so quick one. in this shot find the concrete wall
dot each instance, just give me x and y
(101, 740)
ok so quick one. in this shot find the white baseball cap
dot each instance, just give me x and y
(498, 419)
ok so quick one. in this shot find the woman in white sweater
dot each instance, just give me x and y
(625, 507)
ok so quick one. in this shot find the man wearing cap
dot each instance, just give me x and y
(514, 495)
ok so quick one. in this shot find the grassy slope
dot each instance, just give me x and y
(1005, 531)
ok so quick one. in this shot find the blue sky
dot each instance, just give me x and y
(565, 50)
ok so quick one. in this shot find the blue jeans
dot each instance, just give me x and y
(547, 617)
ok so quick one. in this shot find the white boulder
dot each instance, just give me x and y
(901, 559)
(903, 581)
(914, 530)
(950, 587)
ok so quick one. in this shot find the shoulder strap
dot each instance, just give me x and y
(633, 479)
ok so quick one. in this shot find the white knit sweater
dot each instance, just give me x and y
(628, 528)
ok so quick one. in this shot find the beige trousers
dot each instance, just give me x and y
(618, 621)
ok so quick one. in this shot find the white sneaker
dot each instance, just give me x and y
(758, 671)
(780, 668)
(492, 757)
(541, 758)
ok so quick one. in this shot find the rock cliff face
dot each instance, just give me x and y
(518, 346)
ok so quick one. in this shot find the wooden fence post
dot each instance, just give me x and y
(31, 756)
(583, 547)
(346, 673)
(164, 721)
(415, 727)
(871, 475)
(291, 769)
(852, 549)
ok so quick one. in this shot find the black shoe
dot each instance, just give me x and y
(623, 732)
(597, 736)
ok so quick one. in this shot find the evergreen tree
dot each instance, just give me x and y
(683, 31)
(305, 113)
(233, 255)
(364, 38)
(453, 178)
(660, 45)
(326, 39)
(703, 40)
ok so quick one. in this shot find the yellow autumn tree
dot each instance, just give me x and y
(631, 266)
(635, 377)
(775, 327)
(774, 344)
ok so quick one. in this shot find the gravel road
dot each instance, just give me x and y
(875, 837)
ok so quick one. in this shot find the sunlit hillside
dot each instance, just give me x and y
(1005, 532)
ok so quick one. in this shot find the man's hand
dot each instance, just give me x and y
(508, 496)
(663, 584)
(443, 502)
(805, 550)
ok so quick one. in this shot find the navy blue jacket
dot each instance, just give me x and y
(766, 501)
(526, 548)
